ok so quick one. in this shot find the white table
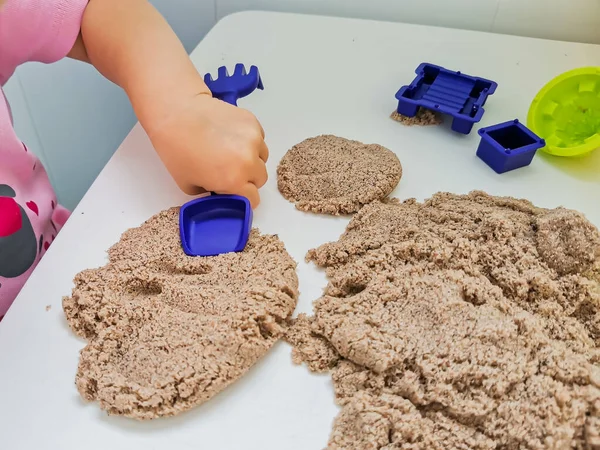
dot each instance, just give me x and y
(321, 75)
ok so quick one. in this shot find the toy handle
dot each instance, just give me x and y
(231, 98)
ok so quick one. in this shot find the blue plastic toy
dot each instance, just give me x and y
(218, 224)
(214, 225)
(458, 95)
(508, 146)
(230, 88)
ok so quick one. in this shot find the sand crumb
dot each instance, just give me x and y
(165, 331)
(462, 322)
(332, 175)
(310, 348)
(424, 117)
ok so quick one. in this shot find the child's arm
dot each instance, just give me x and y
(131, 44)
(206, 144)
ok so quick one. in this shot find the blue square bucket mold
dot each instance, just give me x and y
(508, 146)
(453, 93)
(214, 225)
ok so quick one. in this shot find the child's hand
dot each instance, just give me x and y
(209, 145)
(206, 144)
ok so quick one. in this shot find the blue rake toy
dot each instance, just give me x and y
(218, 224)
(230, 88)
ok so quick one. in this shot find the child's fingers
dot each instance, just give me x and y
(250, 191)
(262, 130)
(263, 151)
(191, 189)
(259, 174)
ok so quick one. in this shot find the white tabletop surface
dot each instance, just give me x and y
(321, 75)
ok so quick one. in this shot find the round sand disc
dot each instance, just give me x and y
(332, 175)
(166, 331)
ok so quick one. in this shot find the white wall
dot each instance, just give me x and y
(74, 119)
(575, 20)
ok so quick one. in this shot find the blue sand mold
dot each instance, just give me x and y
(508, 146)
(453, 93)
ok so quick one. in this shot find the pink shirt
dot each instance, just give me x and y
(30, 218)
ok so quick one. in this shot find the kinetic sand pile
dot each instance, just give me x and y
(332, 175)
(166, 331)
(466, 322)
(424, 117)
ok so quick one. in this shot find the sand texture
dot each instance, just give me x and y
(465, 322)
(332, 175)
(165, 331)
(424, 117)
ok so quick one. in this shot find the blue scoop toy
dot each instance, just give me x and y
(215, 224)
(218, 224)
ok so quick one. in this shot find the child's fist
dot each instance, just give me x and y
(209, 145)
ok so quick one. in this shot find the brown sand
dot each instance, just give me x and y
(424, 117)
(166, 331)
(332, 175)
(465, 322)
